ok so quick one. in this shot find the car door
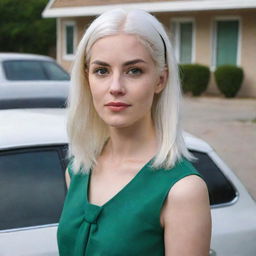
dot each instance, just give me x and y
(233, 209)
(32, 192)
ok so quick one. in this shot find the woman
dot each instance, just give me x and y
(132, 190)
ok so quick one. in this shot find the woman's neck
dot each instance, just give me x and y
(136, 142)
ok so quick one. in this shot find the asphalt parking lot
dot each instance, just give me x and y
(229, 126)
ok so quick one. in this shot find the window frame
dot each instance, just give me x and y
(60, 148)
(176, 37)
(214, 43)
(66, 55)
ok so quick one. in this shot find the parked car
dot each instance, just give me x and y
(33, 147)
(29, 80)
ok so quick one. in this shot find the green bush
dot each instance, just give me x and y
(229, 79)
(194, 78)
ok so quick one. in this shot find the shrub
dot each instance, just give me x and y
(194, 78)
(229, 79)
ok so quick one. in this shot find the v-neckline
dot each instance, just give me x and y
(121, 191)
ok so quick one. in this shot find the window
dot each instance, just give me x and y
(55, 72)
(226, 49)
(25, 70)
(32, 187)
(220, 189)
(183, 40)
(69, 38)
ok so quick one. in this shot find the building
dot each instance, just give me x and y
(209, 32)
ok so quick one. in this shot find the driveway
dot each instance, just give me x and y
(229, 126)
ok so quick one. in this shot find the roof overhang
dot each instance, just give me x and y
(172, 6)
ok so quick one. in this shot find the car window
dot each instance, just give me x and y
(54, 72)
(32, 187)
(25, 70)
(221, 190)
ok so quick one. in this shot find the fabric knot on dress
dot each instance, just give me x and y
(91, 213)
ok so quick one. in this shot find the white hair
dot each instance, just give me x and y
(86, 130)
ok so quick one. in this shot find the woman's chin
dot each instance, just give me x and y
(115, 122)
(118, 125)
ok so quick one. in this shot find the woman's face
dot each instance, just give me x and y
(123, 79)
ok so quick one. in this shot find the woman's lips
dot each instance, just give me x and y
(117, 106)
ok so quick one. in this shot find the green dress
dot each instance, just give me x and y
(128, 224)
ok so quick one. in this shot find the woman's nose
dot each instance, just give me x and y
(117, 85)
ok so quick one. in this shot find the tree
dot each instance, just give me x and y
(22, 29)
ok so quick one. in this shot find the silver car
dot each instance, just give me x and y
(33, 159)
(29, 80)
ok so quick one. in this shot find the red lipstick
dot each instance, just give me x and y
(117, 106)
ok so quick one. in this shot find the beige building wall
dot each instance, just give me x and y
(204, 42)
(203, 28)
(248, 54)
(81, 24)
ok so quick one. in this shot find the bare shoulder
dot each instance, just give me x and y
(188, 194)
(186, 218)
(191, 187)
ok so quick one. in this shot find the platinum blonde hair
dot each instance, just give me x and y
(87, 132)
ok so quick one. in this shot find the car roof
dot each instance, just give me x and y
(27, 56)
(30, 127)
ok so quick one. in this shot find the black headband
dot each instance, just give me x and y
(165, 50)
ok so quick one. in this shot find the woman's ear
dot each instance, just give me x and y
(86, 69)
(86, 75)
(162, 80)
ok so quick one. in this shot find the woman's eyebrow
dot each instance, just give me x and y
(127, 63)
(132, 62)
(100, 63)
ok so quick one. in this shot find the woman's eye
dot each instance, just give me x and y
(134, 71)
(100, 71)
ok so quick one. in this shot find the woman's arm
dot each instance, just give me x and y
(186, 219)
(67, 178)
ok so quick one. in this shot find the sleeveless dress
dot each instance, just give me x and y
(126, 225)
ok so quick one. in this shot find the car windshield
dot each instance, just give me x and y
(25, 70)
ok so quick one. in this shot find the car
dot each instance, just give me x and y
(30, 80)
(33, 159)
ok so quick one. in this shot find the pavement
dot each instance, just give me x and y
(229, 126)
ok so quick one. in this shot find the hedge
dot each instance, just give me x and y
(194, 78)
(229, 79)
